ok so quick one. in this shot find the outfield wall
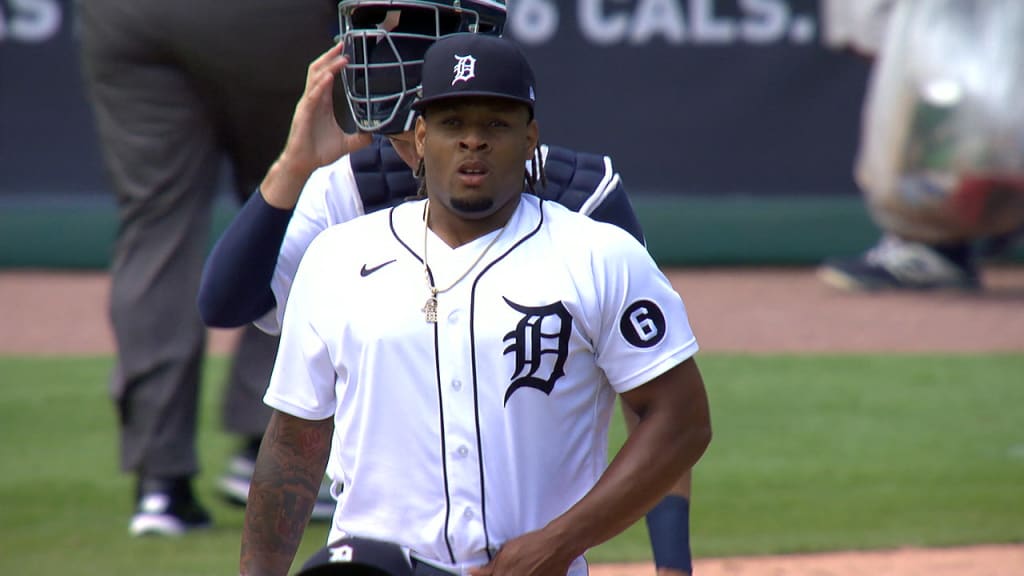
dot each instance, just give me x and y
(690, 231)
(733, 123)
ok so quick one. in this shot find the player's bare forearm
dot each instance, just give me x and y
(283, 184)
(289, 469)
(684, 485)
(668, 523)
(673, 432)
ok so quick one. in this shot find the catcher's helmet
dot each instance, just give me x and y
(384, 43)
(358, 557)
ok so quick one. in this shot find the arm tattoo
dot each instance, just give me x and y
(290, 467)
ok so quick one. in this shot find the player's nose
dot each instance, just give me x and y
(474, 138)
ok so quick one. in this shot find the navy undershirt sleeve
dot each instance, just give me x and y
(235, 286)
(668, 525)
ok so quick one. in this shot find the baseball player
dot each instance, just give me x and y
(263, 245)
(465, 361)
(940, 160)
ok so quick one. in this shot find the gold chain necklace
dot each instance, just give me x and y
(430, 308)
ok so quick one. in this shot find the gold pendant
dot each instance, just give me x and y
(430, 310)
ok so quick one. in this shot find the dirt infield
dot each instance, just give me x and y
(757, 311)
(748, 311)
(968, 561)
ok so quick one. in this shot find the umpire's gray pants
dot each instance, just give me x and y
(177, 87)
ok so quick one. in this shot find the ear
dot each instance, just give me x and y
(420, 134)
(532, 138)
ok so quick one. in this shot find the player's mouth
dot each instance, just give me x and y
(473, 172)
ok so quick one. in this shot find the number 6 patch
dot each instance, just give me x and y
(642, 324)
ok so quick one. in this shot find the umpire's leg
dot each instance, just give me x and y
(257, 107)
(244, 412)
(160, 150)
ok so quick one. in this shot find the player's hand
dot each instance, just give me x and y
(532, 554)
(315, 139)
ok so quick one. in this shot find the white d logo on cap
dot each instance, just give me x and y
(465, 68)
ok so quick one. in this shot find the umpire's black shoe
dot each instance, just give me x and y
(167, 508)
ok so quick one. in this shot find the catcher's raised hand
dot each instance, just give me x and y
(315, 139)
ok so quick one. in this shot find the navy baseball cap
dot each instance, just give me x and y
(354, 556)
(466, 64)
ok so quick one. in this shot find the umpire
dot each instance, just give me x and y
(177, 88)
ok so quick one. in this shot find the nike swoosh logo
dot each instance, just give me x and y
(364, 271)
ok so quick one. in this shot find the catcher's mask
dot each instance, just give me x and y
(353, 556)
(384, 41)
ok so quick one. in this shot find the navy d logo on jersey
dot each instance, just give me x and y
(642, 324)
(539, 344)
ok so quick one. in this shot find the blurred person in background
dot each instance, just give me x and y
(941, 158)
(175, 88)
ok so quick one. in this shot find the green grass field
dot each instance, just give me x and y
(809, 454)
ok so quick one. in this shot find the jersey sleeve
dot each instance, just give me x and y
(329, 197)
(643, 329)
(302, 383)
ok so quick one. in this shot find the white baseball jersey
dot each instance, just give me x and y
(331, 196)
(453, 438)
